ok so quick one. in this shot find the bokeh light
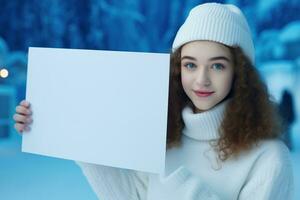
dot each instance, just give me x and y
(4, 73)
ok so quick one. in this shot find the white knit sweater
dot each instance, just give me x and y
(194, 172)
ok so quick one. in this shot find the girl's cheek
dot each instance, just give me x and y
(184, 81)
(184, 78)
(185, 85)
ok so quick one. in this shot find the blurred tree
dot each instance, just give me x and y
(134, 25)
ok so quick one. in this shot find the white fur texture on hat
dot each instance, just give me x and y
(223, 23)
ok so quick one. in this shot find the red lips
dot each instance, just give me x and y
(200, 93)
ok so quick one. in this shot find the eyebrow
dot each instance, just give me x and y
(210, 59)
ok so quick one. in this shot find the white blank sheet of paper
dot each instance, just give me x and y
(101, 107)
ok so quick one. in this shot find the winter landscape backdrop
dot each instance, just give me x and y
(126, 25)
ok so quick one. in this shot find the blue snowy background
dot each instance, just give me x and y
(127, 25)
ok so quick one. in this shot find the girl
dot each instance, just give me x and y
(222, 127)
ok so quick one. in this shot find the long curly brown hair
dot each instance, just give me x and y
(250, 115)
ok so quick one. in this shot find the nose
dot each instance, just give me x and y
(203, 77)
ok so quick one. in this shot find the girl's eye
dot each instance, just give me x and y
(218, 66)
(190, 65)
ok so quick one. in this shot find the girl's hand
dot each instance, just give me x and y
(23, 117)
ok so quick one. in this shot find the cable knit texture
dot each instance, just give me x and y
(194, 172)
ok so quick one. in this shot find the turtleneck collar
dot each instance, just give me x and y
(204, 125)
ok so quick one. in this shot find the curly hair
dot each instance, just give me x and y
(250, 116)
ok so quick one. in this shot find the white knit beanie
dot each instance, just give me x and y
(223, 23)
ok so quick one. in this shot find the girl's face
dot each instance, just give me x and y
(206, 73)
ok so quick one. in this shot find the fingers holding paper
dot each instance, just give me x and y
(22, 117)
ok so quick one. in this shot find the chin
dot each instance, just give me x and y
(204, 107)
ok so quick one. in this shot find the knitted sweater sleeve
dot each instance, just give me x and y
(271, 177)
(111, 183)
(182, 185)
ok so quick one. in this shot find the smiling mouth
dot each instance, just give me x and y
(203, 94)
